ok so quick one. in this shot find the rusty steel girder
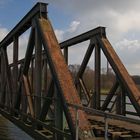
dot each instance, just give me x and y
(24, 99)
(121, 72)
(63, 79)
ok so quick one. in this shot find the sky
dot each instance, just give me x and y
(72, 17)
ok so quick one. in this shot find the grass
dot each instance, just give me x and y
(104, 91)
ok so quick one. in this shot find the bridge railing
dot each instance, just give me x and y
(40, 86)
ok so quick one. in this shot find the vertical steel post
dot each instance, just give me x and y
(120, 102)
(8, 76)
(3, 80)
(44, 78)
(48, 101)
(32, 75)
(38, 60)
(76, 123)
(58, 115)
(1, 77)
(106, 128)
(107, 71)
(123, 101)
(66, 54)
(24, 101)
(15, 68)
(96, 102)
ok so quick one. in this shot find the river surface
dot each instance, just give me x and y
(8, 131)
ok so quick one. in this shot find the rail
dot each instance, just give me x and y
(32, 87)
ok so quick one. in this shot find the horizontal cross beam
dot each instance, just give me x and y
(24, 24)
(83, 37)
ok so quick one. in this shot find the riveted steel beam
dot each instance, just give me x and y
(64, 84)
(122, 74)
(110, 95)
(38, 71)
(83, 37)
(25, 23)
(86, 59)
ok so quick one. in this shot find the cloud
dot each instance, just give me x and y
(122, 19)
(59, 34)
(23, 40)
(129, 45)
(64, 34)
(117, 16)
(78, 8)
(73, 26)
(125, 21)
(128, 50)
(3, 32)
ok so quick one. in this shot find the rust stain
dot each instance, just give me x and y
(62, 73)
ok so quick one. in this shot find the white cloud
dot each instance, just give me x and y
(22, 44)
(63, 34)
(3, 32)
(121, 18)
(59, 34)
(128, 50)
(73, 26)
(124, 22)
(129, 45)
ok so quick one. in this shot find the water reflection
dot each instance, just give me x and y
(8, 131)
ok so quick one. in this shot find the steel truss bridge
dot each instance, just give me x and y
(39, 95)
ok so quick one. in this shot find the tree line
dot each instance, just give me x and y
(107, 77)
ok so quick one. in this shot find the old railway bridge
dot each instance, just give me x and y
(53, 108)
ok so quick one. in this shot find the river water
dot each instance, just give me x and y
(8, 131)
(129, 107)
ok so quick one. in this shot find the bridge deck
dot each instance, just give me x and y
(31, 87)
(8, 131)
(115, 126)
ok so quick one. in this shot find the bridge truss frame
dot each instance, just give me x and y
(22, 100)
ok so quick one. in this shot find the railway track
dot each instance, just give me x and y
(117, 129)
